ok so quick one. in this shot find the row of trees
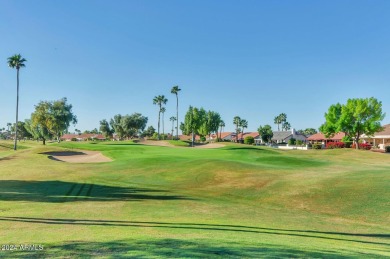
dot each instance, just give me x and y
(161, 101)
(125, 126)
(198, 121)
(281, 119)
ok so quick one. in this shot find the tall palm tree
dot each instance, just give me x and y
(163, 110)
(159, 100)
(173, 119)
(222, 125)
(9, 125)
(244, 125)
(175, 90)
(277, 120)
(16, 61)
(237, 122)
(283, 118)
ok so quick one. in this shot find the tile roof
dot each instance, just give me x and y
(385, 131)
(281, 135)
(321, 136)
(246, 134)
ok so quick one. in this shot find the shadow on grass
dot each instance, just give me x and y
(6, 158)
(207, 227)
(58, 191)
(172, 248)
(63, 153)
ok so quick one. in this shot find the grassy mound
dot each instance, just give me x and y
(235, 201)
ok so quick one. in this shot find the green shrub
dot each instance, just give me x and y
(309, 145)
(292, 141)
(203, 138)
(317, 146)
(387, 149)
(249, 140)
(74, 139)
(299, 142)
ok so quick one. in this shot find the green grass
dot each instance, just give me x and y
(179, 143)
(236, 201)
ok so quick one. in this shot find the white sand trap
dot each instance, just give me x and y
(78, 156)
(212, 145)
(160, 143)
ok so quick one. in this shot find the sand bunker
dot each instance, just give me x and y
(78, 156)
(161, 143)
(211, 145)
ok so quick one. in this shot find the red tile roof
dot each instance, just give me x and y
(320, 136)
(385, 131)
(247, 134)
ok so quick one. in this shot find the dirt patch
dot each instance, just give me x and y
(211, 145)
(78, 156)
(156, 143)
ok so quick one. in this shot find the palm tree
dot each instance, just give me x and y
(16, 61)
(286, 126)
(173, 119)
(222, 125)
(237, 122)
(244, 125)
(9, 125)
(277, 120)
(175, 90)
(283, 118)
(163, 110)
(159, 100)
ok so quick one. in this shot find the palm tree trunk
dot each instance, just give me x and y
(173, 122)
(177, 116)
(17, 108)
(158, 131)
(163, 125)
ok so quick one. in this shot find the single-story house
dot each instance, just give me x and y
(255, 135)
(320, 138)
(225, 136)
(82, 137)
(380, 139)
(285, 136)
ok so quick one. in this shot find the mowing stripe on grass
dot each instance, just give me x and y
(81, 189)
(71, 189)
(89, 190)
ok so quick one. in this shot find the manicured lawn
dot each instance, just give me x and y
(237, 201)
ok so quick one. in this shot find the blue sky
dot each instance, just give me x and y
(254, 59)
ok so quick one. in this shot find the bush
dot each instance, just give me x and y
(249, 140)
(333, 145)
(299, 142)
(317, 146)
(309, 145)
(292, 141)
(387, 149)
(362, 146)
(348, 144)
(74, 139)
(203, 139)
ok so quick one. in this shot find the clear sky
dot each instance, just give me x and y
(254, 59)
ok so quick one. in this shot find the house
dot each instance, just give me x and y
(82, 137)
(225, 136)
(380, 139)
(241, 137)
(320, 138)
(285, 136)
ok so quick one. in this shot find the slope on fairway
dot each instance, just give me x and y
(236, 201)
